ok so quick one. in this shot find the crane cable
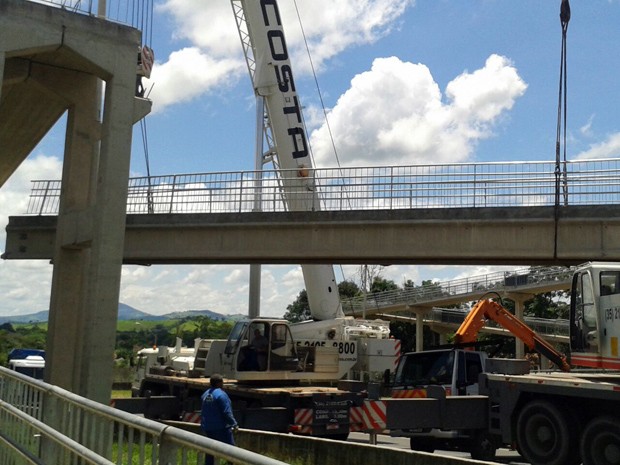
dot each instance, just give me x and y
(316, 83)
(560, 168)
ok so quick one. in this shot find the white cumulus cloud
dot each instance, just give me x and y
(211, 54)
(395, 113)
(609, 148)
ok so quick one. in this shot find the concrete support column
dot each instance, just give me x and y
(73, 53)
(519, 299)
(519, 346)
(72, 257)
(104, 275)
(419, 330)
(254, 294)
(2, 59)
(90, 238)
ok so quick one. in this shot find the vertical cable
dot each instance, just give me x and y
(562, 113)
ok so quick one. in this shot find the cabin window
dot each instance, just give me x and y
(610, 283)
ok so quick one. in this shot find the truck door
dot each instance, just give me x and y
(469, 368)
(608, 317)
(584, 327)
(283, 355)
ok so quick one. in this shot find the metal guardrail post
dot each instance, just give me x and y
(174, 183)
(47, 187)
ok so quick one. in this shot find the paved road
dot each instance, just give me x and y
(504, 456)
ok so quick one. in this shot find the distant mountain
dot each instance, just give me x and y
(195, 313)
(39, 317)
(125, 312)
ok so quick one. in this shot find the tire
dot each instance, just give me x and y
(600, 442)
(483, 447)
(422, 444)
(545, 436)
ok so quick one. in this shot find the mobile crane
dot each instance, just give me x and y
(288, 386)
(475, 403)
(262, 37)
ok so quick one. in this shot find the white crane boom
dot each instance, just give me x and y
(262, 36)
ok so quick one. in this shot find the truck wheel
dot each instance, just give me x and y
(422, 444)
(483, 447)
(600, 442)
(545, 436)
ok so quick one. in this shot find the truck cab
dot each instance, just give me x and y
(456, 370)
(595, 316)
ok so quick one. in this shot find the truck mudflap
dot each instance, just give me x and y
(369, 417)
(327, 416)
(332, 418)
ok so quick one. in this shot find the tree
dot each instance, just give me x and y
(299, 310)
(348, 289)
(550, 305)
(380, 284)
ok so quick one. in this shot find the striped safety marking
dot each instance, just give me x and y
(371, 416)
(191, 417)
(414, 393)
(595, 361)
(303, 419)
(408, 393)
(396, 353)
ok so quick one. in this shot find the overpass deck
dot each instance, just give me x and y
(485, 213)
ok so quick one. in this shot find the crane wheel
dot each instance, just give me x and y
(545, 435)
(600, 442)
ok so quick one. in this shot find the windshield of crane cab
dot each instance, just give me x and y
(235, 336)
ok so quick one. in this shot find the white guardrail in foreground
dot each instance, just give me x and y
(45, 425)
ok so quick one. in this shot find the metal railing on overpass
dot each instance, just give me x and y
(557, 330)
(457, 289)
(467, 289)
(463, 185)
(136, 13)
(45, 425)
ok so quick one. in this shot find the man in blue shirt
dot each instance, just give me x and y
(217, 420)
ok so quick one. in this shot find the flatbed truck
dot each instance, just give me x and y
(550, 417)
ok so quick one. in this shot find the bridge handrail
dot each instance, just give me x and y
(438, 290)
(119, 11)
(464, 185)
(542, 326)
(44, 424)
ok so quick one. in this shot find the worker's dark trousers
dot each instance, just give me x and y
(222, 435)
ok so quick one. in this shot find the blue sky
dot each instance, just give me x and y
(403, 83)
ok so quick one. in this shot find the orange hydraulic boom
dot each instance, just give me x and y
(490, 310)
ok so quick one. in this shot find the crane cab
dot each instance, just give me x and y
(264, 350)
(261, 345)
(595, 316)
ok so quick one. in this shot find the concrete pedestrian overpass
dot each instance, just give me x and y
(52, 61)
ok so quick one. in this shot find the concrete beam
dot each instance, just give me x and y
(506, 236)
